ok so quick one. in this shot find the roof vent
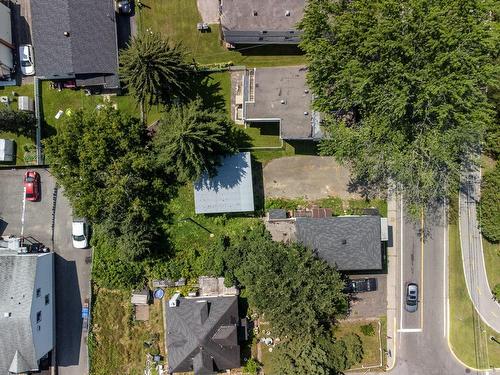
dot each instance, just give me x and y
(344, 241)
(7, 314)
(255, 13)
(66, 33)
(287, 13)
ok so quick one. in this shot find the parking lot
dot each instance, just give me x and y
(370, 304)
(37, 223)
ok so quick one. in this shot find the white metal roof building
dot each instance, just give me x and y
(230, 190)
(7, 150)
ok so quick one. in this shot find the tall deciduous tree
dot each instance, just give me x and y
(103, 161)
(18, 122)
(190, 140)
(154, 70)
(402, 85)
(295, 291)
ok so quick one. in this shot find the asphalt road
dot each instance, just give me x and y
(472, 253)
(425, 350)
(71, 267)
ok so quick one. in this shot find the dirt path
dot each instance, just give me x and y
(209, 10)
(311, 177)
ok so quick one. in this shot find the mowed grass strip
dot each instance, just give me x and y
(469, 335)
(177, 19)
(371, 344)
(119, 340)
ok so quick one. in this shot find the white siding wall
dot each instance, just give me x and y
(5, 34)
(43, 332)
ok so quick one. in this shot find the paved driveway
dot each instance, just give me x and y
(311, 177)
(71, 265)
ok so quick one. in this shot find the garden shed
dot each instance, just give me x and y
(7, 150)
(230, 190)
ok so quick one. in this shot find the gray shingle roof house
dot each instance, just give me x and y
(26, 310)
(75, 39)
(261, 21)
(352, 243)
(202, 335)
(280, 96)
(230, 190)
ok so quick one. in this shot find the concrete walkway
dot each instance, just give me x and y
(209, 10)
(392, 261)
(472, 252)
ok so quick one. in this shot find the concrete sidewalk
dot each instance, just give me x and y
(392, 260)
(472, 252)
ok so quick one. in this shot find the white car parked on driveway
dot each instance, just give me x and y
(26, 59)
(80, 233)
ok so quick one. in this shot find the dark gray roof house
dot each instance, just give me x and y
(351, 243)
(230, 190)
(202, 335)
(75, 39)
(278, 96)
(261, 21)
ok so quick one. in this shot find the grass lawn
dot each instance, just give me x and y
(186, 236)
(492, 261)
(491, 250)
(338, 206)
(53, 101)
(118, 341)
(371, 344)
(177, 20)
(469, 336)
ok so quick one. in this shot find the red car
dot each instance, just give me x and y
(32, 184)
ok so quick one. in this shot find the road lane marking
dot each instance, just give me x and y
(410, 330)
(401, 262)
(445, 330)
(494, 314)
(422, 270)
(479, 290)
(24, 211)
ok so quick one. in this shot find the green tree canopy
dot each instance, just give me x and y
(490, 204)
(402, 86)
(294, 290)
(18, 122)
(154, 70)
(191, 139)
(318, 355)
(103, 161)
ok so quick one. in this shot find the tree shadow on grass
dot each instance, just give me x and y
(204, 86)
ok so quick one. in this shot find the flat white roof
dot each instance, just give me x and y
(231, 190)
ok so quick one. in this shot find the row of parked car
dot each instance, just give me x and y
(32, 193)
(370, 285)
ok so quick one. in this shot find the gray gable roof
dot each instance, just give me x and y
(17, 280)
(351, 243)
(89, 53)
(203, 343)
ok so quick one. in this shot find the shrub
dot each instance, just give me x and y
(496, 292)
(367, 330)
(490, 204)
(251, 367)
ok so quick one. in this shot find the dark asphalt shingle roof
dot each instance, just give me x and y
(351, 243)
(261, 21)
(203, 343)
(89, 53)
